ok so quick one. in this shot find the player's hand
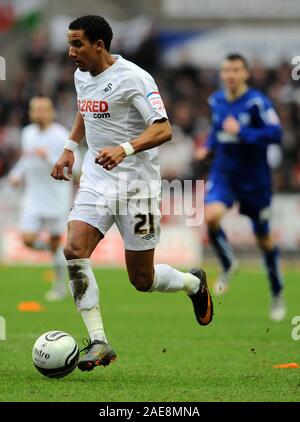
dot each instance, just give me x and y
(110, 157)
(202, 153)
(15, 181)
(231, 125)
(66, 160)
(41, 152)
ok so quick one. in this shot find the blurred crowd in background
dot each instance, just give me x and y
(185, 91)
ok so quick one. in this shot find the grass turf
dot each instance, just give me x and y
(163, 355)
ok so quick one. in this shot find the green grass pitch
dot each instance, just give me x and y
(163, 355)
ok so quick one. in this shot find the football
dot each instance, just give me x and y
(55, 354)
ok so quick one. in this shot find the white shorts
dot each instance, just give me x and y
(32, 223)
(138, 220)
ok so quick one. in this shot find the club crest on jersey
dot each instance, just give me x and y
(244, 119)
(156, 101)
(107, 89)
(99, 108)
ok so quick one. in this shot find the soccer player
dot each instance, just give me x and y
(244, 123)
(45, 202)
(124, 120)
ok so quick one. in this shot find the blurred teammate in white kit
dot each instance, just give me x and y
(45, 202)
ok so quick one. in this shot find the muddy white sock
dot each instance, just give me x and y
(85, 292)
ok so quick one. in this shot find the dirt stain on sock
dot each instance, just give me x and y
(79, 280)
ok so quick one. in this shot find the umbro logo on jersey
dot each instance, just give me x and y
(148, 236)
(107, 88)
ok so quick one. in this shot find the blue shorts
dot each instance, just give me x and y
(254, 202)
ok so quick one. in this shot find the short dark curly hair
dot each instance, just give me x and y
(236, 56)
(95, 28)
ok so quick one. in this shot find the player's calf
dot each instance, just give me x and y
(223, 281)
(141, 280)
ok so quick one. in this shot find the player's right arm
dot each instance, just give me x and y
(66, 160)
(211, 142)
(206, 150)
(16, 175)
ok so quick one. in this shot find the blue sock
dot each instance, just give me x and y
(271, 261)
(222, 248)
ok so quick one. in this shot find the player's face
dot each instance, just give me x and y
(84, 53)
(234, 74)
(41, 111)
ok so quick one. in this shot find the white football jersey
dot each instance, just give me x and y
(117, 106)
(43, 196)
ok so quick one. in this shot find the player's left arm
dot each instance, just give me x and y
(158, 133)
(269, 130)
(140, 90)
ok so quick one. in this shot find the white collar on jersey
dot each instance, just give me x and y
(117, 58)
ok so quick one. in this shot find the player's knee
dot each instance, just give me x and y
(72, 251)
(213, 215)
(141, 280)
(210, 218)
(28, 242)
(212, 222)
(265, 242)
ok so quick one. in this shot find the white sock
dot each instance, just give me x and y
(40, 245)
(59, 264)
(85, 291)
(168, 279)
(93, 322)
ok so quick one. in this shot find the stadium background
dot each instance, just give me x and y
(182, 47)
(182, 44)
